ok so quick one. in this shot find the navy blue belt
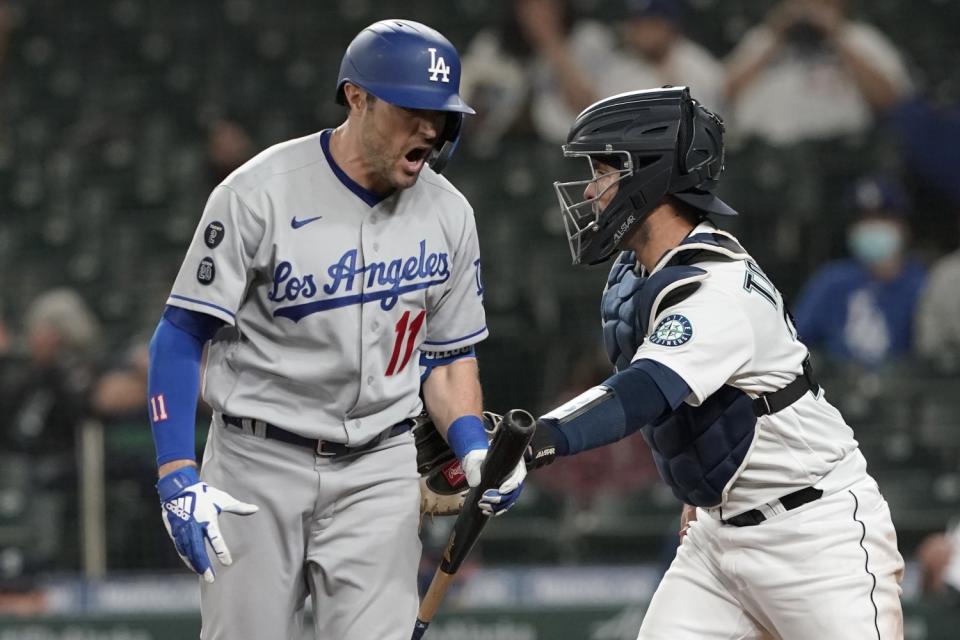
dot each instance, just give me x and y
(320, 447)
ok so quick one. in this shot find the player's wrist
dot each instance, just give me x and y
(546, 444)
(171, 465)
(173, 483)
(467, 434)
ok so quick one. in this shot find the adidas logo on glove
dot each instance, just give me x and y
(182, 507)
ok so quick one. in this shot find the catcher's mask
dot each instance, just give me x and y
(660, 141)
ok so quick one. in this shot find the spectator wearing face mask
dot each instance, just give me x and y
(860, 309)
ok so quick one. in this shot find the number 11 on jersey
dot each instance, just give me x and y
(408, 330)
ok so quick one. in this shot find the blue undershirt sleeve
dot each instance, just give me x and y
(200, 325)
(643, 393)
(173, 380)
(430, 360)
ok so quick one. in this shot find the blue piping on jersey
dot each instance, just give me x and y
(369, 197)
(389, 297)
(204, 303)
(475, 333)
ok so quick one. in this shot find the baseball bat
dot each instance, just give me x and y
(506, 451)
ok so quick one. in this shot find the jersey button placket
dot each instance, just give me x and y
(368, 355)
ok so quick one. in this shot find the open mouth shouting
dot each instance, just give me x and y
(412, 161)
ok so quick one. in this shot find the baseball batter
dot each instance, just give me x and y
(784, 534)
(330, 277)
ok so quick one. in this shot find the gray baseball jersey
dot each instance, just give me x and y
(331, 291)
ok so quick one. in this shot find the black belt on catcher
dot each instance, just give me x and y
(782, 398)
(790, 502)
(320, 447)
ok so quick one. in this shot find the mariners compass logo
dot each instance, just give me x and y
(673, 331)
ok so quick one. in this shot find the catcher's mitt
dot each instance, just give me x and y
(443, 485)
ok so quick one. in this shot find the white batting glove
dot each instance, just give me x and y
(468, 439)
(190, 509)
(495, 502)
(472, 465)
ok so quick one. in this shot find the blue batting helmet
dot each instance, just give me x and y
(409, 65)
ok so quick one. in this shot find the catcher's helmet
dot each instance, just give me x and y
(662, 142)
(410, 65)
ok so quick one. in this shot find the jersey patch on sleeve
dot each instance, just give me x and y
(207, 271)
(476, 263)
(213, 234)
(673, 331)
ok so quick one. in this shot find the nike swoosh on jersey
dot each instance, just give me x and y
(296, 224)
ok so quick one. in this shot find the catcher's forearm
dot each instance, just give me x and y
(641, 394)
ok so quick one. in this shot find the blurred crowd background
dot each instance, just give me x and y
(117, 117)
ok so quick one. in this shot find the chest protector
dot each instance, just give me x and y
(698, 450)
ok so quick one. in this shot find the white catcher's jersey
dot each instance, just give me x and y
(733, 331)
(331, 292)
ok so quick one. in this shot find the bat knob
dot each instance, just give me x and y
(519, 417)
(419, 629)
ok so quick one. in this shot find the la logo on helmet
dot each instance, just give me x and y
(438, 67)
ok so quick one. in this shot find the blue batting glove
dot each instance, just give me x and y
(468, 440)
(190, 509)
(495, 502)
